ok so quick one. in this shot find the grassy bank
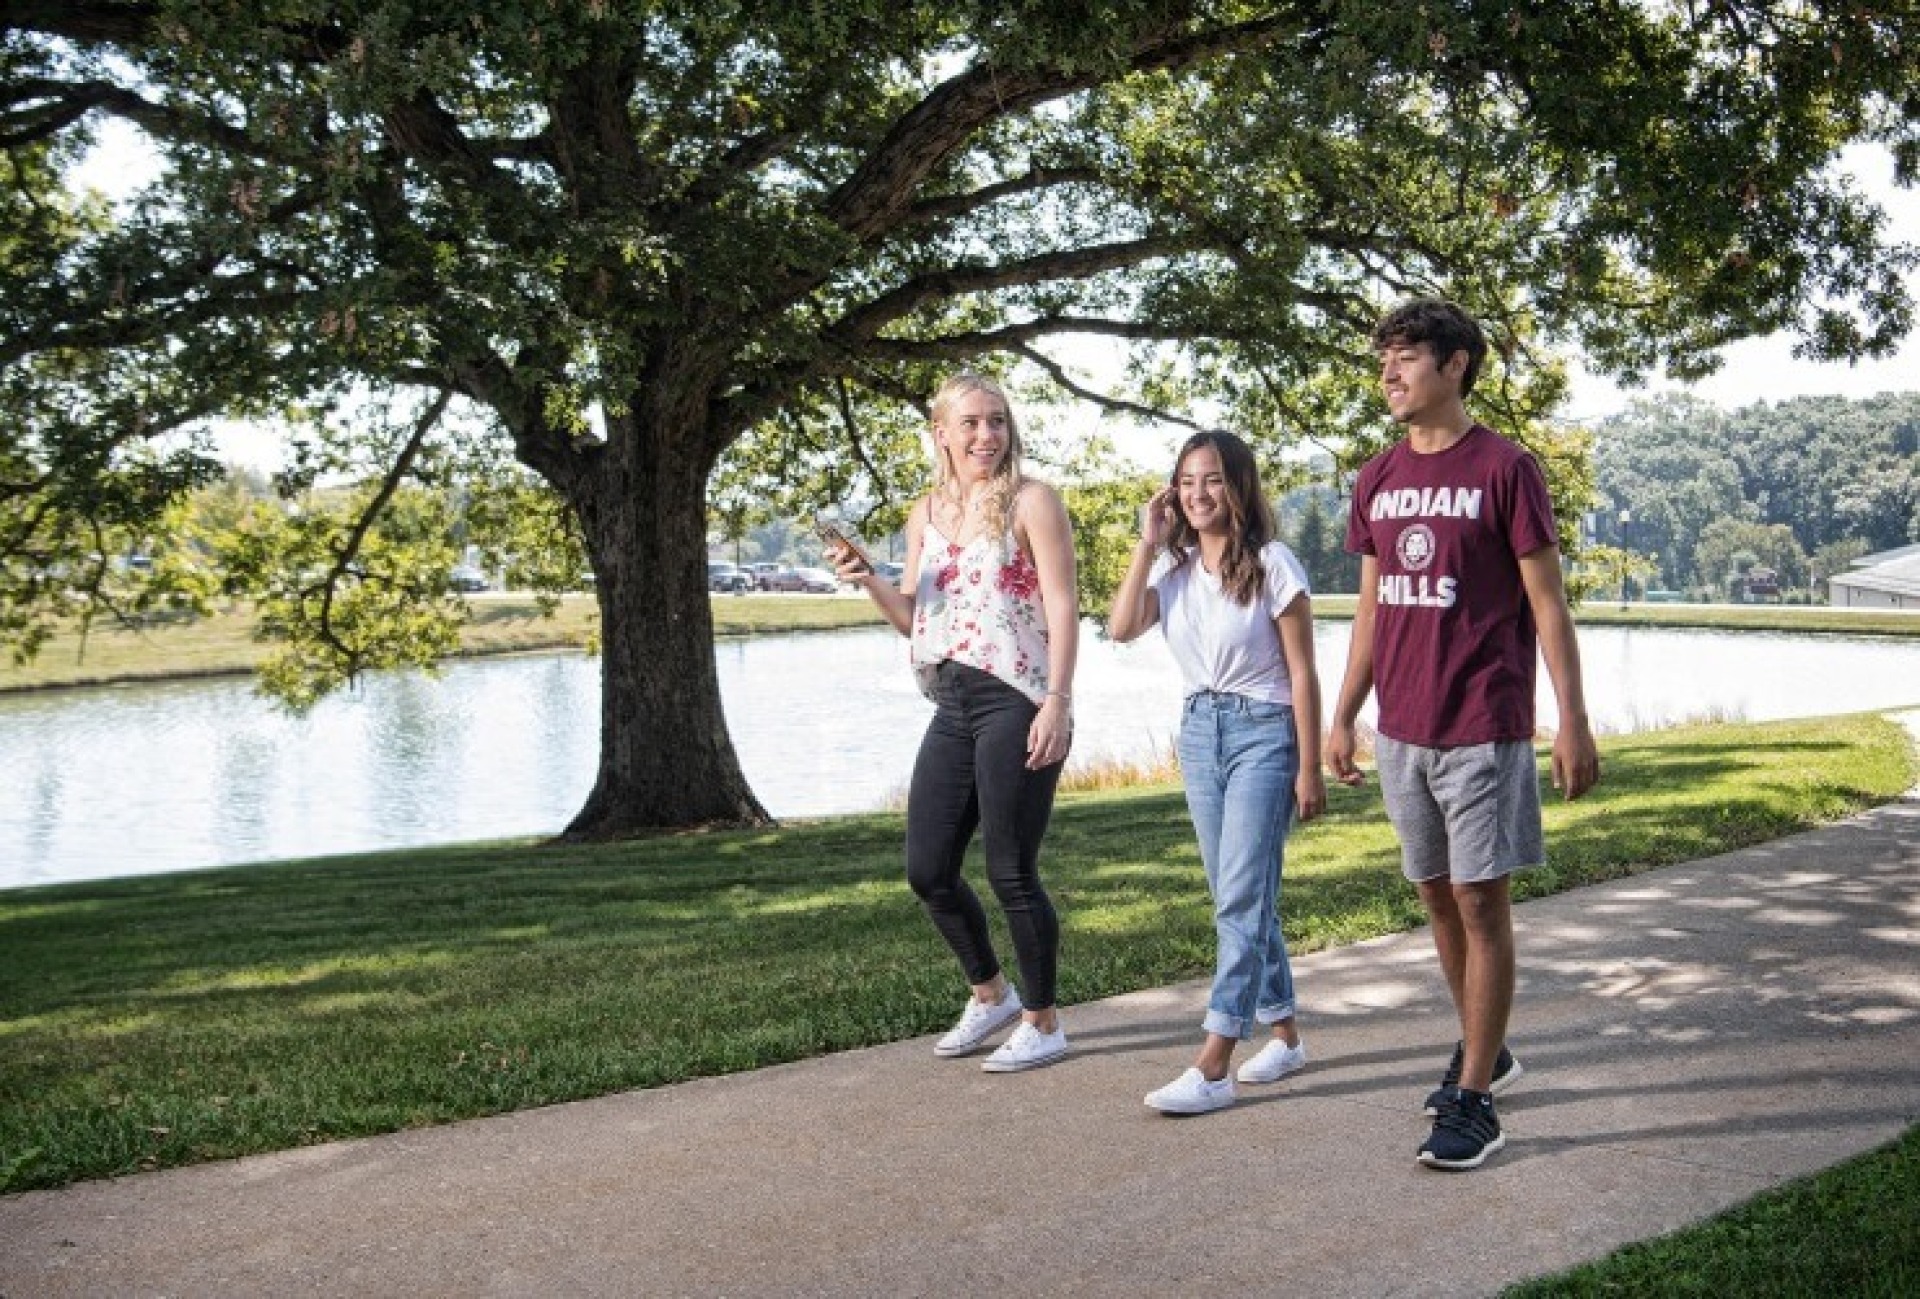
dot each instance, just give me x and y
(508, 624)
(1803, 620)
(501, 624)
(167, 1020)
(1817, 620)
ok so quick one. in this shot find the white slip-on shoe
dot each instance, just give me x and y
(1028, 1048)
(1275, 1061)
(1192, 1093)
(978, 1022)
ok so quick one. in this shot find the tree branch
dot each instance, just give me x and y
(878, 194)
(852, 426)
(488, 379)
(350, 550)
(1119, 405)
(881, 382)
(589, 137)
(43, 121)
(753, 152)
(421, 129)
(865, 322)
(974, 342)
(87, 22)
(75, 99)
(945, 207)
(100, 335)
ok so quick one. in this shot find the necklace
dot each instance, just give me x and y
(964, 519)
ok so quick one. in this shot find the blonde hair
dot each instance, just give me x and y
(1007, 479)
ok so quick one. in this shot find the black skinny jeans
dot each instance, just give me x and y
(972, 773)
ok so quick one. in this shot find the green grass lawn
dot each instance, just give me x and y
(166, 1020)
(1852, 1232)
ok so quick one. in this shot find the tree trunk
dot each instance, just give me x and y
(666, 759)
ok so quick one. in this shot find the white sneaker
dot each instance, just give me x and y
(978, 1022)
(1191, 1093)
(1275, 1061)
(1028, 1048)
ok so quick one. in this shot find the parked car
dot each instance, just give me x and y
(760, 572)
(799, 579)
(725, 577)
(466, 580)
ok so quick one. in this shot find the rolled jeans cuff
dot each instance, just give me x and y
(1233, 1026)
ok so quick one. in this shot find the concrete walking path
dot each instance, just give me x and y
(1691, 1037)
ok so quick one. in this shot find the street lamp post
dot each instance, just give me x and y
(1626, 522)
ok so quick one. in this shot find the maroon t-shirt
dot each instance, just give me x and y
(1453, 635)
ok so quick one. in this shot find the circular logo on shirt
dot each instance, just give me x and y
(1415, 547)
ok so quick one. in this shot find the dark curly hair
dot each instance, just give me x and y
(1442, 326)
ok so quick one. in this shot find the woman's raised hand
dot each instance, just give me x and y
(1156, 517)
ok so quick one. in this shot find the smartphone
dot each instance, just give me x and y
(832, 534)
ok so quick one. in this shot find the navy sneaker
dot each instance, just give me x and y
(1465, 1132)
(1506, 1072)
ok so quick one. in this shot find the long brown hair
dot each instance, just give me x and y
(1007, 479)
(1250, 524)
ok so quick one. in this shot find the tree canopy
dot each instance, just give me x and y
(611, 240)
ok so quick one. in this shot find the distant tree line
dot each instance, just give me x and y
(1685, 497)
(1801, 487)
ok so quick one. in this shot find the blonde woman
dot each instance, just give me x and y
(989, 605)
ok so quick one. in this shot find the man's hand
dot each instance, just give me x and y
(1576, 760)
(1339, 755)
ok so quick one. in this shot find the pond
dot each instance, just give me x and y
(139, 779)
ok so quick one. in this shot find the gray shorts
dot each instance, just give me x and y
(1470, 813)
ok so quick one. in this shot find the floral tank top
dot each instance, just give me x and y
(979, 604)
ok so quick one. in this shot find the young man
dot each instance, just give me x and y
(1459, 580)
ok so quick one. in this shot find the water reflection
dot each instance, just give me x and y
(133, 780)
(243, 776)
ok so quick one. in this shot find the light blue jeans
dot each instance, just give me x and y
(1239, 758)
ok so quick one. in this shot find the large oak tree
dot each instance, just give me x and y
(631, 234)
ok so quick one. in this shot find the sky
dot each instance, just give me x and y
(1761, 369)
(1765, 369)
(1757, 369)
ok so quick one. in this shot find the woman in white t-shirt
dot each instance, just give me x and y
(1233, 604)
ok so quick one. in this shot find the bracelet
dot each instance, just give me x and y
(1061, 694)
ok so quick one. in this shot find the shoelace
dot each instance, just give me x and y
(1458, 1116)
(975, 1012)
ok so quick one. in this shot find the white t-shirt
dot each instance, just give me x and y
(1222, 646)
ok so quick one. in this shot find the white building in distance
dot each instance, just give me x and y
(1887, 580)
